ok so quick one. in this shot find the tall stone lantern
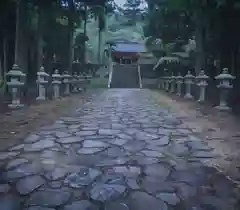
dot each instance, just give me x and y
(42, 82)
(189, 81)
(74, 82)
(66, 81)
(162, 83)
(159, 82)
(56, 82)
(167, 83)
(179, 81)
(82, 82)
(173, 83)
(16, 82)
(202, 83)
(166, 79)
(225, 84)
(79, 81)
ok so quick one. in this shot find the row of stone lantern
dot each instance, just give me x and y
(174, 84)
(75, 83)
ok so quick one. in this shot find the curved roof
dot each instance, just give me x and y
(129, 47)
(118, 40)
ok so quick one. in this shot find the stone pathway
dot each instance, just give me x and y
(119, 152)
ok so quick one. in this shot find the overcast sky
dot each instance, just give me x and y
(121, 2)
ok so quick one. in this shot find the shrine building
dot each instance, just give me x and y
(125, 52)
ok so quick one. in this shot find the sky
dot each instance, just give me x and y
(121, 3)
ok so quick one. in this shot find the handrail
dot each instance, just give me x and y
(139, 75)
(110, 74)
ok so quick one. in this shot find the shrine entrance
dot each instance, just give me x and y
(125, 60)
(125, 52)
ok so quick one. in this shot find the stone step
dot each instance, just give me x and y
(125, 76)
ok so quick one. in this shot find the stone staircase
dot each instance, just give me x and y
(125, 76)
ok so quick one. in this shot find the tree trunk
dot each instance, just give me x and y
(99, 45)
(5, 58)
(49, 60)
(40, 38)
(70, 34)
(21, 36)
(16, 59)
(200, 39)
(229, 37)
(5, 62)
(85, 33)
(1, 70)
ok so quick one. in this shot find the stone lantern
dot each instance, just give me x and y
(179, 81)
(66, 81)
(74, 82)
(202, 83)
(166, 83)
(56, 82)
(162, 83)
(89, 77)
(169, 83)
(173, 82)
(159, 82)
(165, 79)
(188, 81)
(79, 81)
(225, 84)
(16, 82)
(82, 81)
(42, 82)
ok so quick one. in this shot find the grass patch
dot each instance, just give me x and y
(98, 83)
(101, 81)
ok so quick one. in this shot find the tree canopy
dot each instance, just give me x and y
(209, 22)
(46, 29)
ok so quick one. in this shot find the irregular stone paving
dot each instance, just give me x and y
(120, 151)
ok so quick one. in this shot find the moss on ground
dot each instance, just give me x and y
(157, 97)
(101, 81)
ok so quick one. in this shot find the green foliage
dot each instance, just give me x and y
(173, 19)
(132, 4)
(210, 22)
(149, 41)
(110, 7)
(94, 2)
(99, 13)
